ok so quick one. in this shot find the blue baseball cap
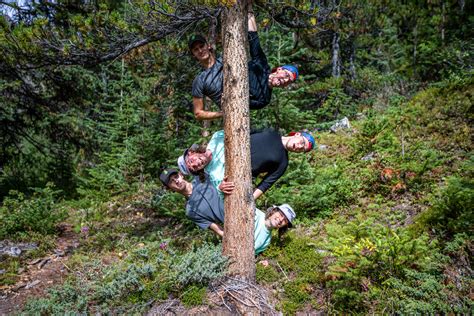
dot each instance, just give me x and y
(292, 69)
(311, 140)
(308, 136)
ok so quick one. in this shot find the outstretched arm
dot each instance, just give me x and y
(251, 19)
(200, 113)
(217, 229)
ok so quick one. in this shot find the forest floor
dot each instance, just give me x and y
(40, 274)
(382, 227)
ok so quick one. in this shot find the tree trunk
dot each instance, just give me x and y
(352, 68)
(415, 43)
(443, 22)
(336, 63)
(238, 243)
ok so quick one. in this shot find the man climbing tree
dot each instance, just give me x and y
(262, 79)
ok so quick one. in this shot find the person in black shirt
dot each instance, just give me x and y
(268, 154)
(261, 78)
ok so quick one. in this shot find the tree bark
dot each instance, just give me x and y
(238, 243)
(336, 63)
(352, 68)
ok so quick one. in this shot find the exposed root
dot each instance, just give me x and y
(242, 297)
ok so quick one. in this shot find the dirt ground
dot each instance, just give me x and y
(40, 274)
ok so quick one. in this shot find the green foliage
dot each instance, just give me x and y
(423, 293)
(296, 295)
(152, 271)
(267, 274)
(325, 187)
(40, 213)
(126, 282)
(452, 212)
(201, 265)
(67, 299)
(193, 296)
(366, 255)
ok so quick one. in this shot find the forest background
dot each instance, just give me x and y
(95, 101)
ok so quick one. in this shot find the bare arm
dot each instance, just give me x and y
(201, 114)
(251, 20)
(217, 229)
(257, 193)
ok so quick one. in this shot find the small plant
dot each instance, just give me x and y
(266, 274)
(39, 214)
(67, 299)
(297, 293)
(422, 293)
(452, 212)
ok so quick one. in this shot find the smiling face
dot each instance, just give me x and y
(277, 220)
(201, 51)
(177, 183)
(298, 143)
(197, 161)
(280, 78)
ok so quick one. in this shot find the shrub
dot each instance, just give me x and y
(296, 295)
(67, 299)
(364, 255)
(200, 265)
(40, 213)
(421, 294)
(451, 212)
(266, 274)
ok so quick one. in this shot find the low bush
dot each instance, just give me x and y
(363, 255)
(151, 271)
(201, 265)
(193, 296)
(452, 210)
(38, 214)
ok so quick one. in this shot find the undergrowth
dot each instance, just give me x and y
(384, 220)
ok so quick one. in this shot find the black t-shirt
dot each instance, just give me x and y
(210, 81)
(259, 70)
(268, 155)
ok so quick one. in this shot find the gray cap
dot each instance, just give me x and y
(288, 212)
(182, 165)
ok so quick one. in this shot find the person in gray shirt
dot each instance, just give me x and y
(261, 78)
(205, 207)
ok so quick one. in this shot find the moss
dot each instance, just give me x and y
(296, 295)
(193, 296)
(267, 274)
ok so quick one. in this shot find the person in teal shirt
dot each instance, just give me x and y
(206, 208)
(268, 157)
(211, 161)
(276, 217)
